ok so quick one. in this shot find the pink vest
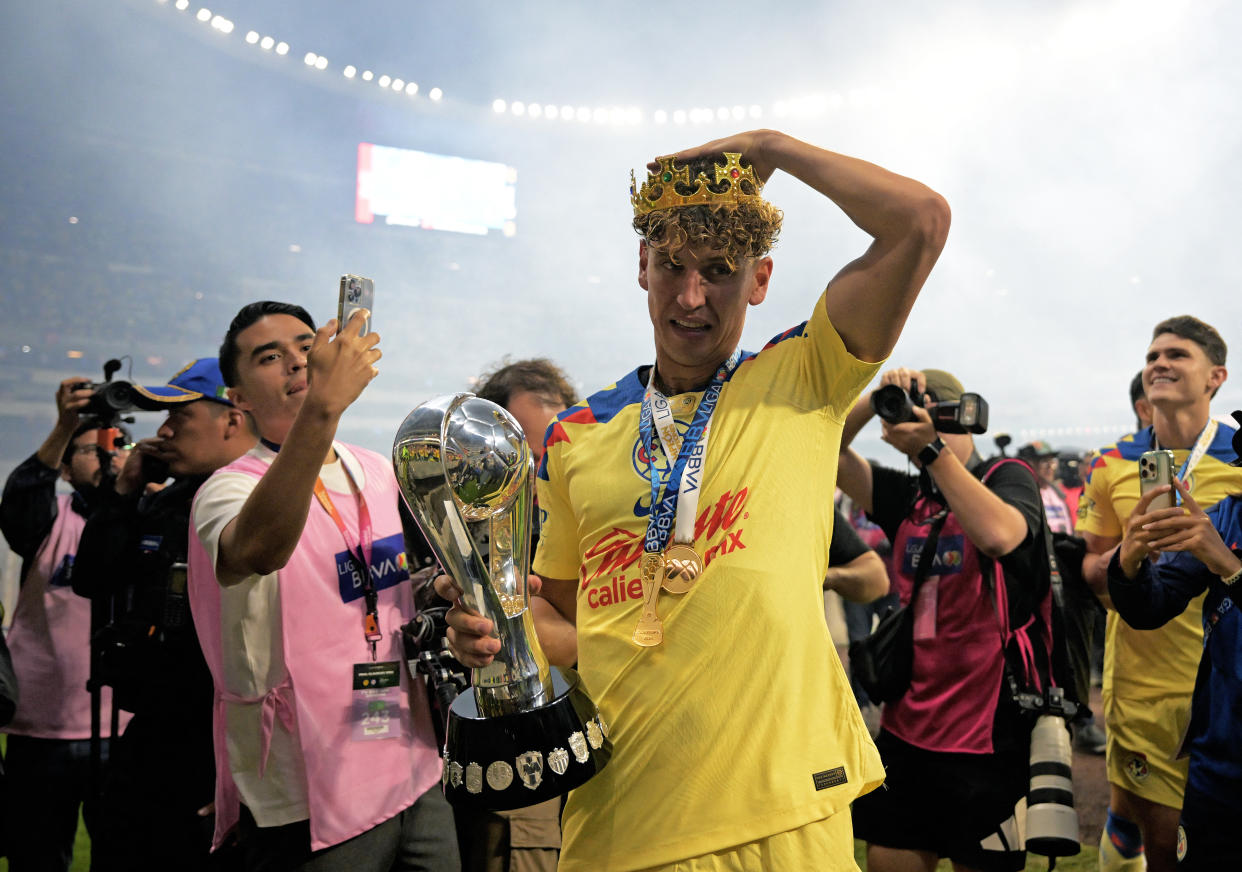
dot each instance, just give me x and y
(50, 641)
(960, 630)
(352, 785)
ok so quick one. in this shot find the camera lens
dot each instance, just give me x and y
(892, 404)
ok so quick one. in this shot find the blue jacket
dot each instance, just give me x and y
(1158, 594)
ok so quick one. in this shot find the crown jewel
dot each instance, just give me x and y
(660, 189)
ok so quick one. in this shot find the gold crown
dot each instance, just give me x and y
(660, 189)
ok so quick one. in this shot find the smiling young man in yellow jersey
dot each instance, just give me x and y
(1149, 674)
(737, 743)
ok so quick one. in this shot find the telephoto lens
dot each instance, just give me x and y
(1051, 820)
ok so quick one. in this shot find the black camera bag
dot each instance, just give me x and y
(882, 662)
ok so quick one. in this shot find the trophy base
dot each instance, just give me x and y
(512, 761)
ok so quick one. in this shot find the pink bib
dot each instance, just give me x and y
(352, 785)
(50, 641)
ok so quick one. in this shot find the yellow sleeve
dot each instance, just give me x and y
(829, 376)
(1096, 514)
(557, 555)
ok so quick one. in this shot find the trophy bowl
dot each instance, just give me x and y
(525, 732)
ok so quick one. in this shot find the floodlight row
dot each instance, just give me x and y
(311, 59)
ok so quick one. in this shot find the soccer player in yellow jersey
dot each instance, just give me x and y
(692, 570)
(1149, 674)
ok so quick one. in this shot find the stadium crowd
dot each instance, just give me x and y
(208, 656)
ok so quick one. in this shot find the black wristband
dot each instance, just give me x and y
(931, 451)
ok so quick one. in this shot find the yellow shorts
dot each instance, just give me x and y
(825, 845)
(1143, 741)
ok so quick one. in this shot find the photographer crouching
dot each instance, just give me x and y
(969, 551)
(157, 797)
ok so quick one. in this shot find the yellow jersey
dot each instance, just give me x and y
(741, 724)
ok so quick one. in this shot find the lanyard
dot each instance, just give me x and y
(361, 555)
(689, 452)
(1206, 435)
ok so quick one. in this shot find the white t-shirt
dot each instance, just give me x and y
(252, 649)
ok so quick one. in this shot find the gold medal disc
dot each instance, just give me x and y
(682, 567)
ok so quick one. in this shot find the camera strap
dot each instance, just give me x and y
(359, 553)
(656, 421)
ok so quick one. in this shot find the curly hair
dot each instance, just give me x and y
(537, 375)
(747, 229)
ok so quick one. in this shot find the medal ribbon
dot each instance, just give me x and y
(1206, 435)
(360, 554)
(655, 414)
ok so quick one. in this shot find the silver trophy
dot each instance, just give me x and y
(526, 732)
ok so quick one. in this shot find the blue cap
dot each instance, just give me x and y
(197, 380)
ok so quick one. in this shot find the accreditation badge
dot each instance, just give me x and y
(375, 712)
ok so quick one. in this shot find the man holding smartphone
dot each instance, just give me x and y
(133, 554)
(1149, 674)
(299, 587)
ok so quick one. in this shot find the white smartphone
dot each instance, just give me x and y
(1155, 470)
(357, 292)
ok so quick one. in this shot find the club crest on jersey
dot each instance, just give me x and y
(1136, 766)
(389, 566)
(657, 460)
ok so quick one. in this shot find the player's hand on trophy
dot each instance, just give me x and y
(749, 144)
(340, 365)
(470, 634)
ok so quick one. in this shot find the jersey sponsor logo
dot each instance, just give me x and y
(614, 556)
(389, 567)
(947, 560)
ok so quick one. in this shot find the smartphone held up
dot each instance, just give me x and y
(1156, 470)
(357, 292)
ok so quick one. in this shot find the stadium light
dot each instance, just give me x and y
(499, 105)
(435, 94)
(367, 75)
(267, 43)
(321, 63)
(282, 48)
(411, 88)
(350, 71)
(384, 80)
(204, 14)
(252, 37)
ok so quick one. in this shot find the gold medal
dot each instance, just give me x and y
(682, 567)
(650, 629)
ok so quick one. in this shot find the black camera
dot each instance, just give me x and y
(427, 653)
(896, 406)
(111, 399)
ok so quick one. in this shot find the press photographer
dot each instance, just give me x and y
(132, 556)
(48, 756)
(970, 568)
